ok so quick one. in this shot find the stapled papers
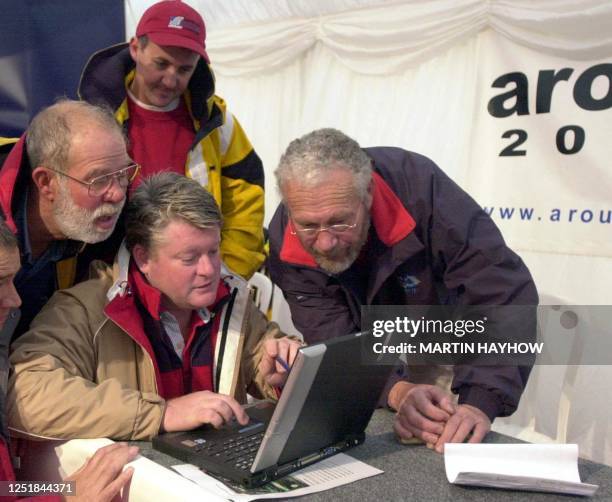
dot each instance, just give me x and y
(532, 467)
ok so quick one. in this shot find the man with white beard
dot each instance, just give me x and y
(62, 186)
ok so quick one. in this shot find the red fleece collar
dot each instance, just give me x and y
(151, 296)
(390, 219)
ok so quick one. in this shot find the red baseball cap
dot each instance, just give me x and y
(174, 23)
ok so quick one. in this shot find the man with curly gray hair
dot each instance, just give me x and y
(384, 226)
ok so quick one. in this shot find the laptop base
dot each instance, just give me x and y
(173, 444)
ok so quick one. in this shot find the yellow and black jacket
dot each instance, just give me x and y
(221, 157)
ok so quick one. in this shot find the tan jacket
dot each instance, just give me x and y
(78, 374)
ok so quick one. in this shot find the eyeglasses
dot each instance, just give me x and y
(101, 184)
(337, 229)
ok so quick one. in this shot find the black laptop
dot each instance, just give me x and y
(324, 408)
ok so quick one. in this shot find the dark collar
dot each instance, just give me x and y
(103, 80)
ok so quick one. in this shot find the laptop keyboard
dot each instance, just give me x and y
(238, 451)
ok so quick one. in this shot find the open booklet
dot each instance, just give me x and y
(532, 467)
(334, 471)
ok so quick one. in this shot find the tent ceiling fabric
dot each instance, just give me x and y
(228, 13)
(383, 38)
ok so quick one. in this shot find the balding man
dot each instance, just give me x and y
(63, 184)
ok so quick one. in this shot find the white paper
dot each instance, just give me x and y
(537, 467)
(149, 481)
(334, 471)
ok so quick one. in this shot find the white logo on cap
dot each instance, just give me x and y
(176, 22)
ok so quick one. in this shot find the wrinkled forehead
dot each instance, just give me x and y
(334, 189)
(178, 232)
(97, 150)
(324, 209)
(91, 133)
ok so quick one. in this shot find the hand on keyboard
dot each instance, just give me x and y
(198, 408)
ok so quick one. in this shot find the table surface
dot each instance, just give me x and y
(414, 472)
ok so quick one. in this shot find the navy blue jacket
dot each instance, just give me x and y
(430, 243)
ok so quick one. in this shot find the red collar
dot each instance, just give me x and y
(151, 297)
(390, 219)
(8, 178)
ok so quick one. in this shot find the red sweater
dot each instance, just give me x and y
(159, 141)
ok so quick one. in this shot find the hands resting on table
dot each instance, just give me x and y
(429, 414)
(204, 407)
(102, 476)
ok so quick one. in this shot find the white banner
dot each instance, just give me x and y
(541, 148)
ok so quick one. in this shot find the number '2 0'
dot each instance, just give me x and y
(519, 136)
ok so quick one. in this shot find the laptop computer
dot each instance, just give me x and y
(325, 406)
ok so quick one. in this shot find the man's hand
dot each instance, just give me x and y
(422, 411)
(282, 348)
(467, 419)
(102, 476)
(204, 407)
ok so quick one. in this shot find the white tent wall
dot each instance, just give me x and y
(402, 74)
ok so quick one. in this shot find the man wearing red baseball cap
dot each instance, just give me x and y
(162, 90)
(175, 24)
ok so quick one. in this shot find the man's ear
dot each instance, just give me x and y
(43, 179)
(133, 47)
(141, 257)
(370, 194)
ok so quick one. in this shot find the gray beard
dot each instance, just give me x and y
(78, 223)
(339, 265)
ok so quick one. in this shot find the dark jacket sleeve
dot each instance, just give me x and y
(480, 269)
(469, 260)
